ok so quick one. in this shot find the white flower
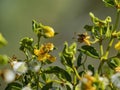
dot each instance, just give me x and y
(36, 68)
(19, 67)
(84, 80)
(8, 75)
(89, 73)
(104, 80)
(116, 79)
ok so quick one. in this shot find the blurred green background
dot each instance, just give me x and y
(65, 16)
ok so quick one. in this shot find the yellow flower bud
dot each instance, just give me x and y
(49, 31)
(117, 46)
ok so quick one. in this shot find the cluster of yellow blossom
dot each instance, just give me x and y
(43, 52)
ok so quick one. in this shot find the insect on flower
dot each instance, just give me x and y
(84, 38)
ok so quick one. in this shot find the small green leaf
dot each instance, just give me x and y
(14, 86)
(91, 68)
(90, 51)
(88, 27)
(44, 76)
(113, 62)
(60, 73)
(79, 59)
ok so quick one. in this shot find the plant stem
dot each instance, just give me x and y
(83, 64)
(74, 79)
(109, 45)
(38, 43)
(100, 66)
(117, 21)
(112, 39)
(57, 81)
(38, 82)
(26, 54)
(101, 49)
(76, 73)
(100, 42)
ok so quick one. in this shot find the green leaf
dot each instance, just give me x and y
(109, 3)
(68, 87)
(68, 54)
(91, 68)
(79, 59)
(88, 27)
(14, 86)
(26, 43)
(90, 51)
(37, 28)
(113, 62)
(60, 73)
(66, 60)
(44, 76)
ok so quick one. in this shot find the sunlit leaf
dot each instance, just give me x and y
(59, 72)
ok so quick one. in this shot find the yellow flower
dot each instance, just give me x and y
(84, 38)
(48, 47)
(117, 46)
(43, 52)
(51, 58)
